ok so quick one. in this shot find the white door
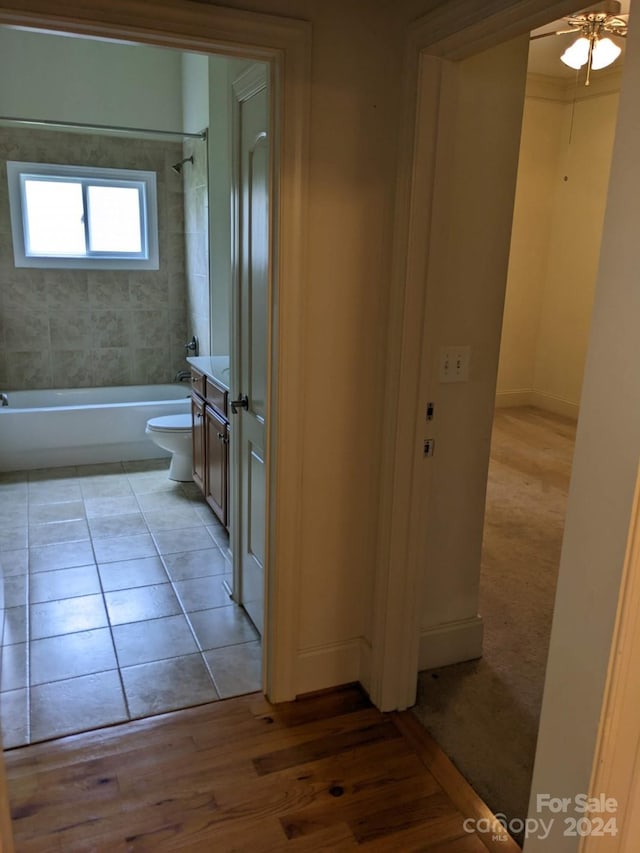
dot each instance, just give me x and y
(248, 421)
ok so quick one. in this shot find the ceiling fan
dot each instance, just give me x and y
(593, 47)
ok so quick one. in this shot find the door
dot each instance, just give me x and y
(248, 416)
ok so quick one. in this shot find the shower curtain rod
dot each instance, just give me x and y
(79, 125)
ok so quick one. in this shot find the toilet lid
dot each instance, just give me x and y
(170, 423)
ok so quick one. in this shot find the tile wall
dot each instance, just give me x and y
(79, 328)
(196, 213)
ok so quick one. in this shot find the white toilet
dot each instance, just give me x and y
(173, 433)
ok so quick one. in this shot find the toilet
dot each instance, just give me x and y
(173, 433)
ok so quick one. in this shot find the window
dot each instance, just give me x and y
(83, 217)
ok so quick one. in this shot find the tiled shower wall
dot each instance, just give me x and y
(78, 328)
(196, 214)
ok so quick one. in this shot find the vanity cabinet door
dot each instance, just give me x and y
(197, 418)
(217, 462)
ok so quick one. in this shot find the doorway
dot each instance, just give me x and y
(121, 584)
(555, 241)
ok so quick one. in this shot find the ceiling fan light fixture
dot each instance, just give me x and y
(577, 54)
(604, 53)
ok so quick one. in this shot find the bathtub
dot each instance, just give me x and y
(80, 426)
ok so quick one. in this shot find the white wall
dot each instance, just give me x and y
(75, 79)
(602, 486)
(195, 92)
(563, 177)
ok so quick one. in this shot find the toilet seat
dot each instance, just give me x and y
(170, 423)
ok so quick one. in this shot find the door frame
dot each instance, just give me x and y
(450, 33)
(285, 45)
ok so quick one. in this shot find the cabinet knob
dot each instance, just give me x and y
(223, 438)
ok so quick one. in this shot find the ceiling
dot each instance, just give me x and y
(544, 54)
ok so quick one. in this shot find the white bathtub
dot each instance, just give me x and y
(79, 426)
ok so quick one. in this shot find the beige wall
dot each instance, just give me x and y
(355, 78)
(556, 241)
(540, 149)
(465, 294)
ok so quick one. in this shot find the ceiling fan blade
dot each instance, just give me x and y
(554, 33)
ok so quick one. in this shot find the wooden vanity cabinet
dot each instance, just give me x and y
(217, 463)
(211, 442)
(197, 420)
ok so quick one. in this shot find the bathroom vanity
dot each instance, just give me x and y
(210, 416)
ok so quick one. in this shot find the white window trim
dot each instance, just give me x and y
(15, 171)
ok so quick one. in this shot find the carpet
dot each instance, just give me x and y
(485, 713)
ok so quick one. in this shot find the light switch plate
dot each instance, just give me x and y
(454, 364)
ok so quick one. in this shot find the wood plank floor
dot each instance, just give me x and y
(328, 772)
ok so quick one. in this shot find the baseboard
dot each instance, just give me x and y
(331, 665)
(557, 405)
(530, 397)
(452, 642)
(507, 399)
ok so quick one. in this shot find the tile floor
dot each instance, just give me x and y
(115, 600)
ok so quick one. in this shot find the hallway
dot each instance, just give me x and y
(328, 772)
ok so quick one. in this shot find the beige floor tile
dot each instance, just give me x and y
(194, 564)
(64, 583)
(124, 547)
(14, 667)
(15, 562)
(14, 718)
(222, 626)
(182, 539)
(156, 639)
(15, 590)
(54, 492)
(141, 603)
(66, 616)
(64, 555)
(132, 573)
(15, 625)
(76, 705)
(71, 655)
(61, 531)
(108, 526)
(98, 507)
(154, 688)
(236, 669)
(65, 511)
(202, 593)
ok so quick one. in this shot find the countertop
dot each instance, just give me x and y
(216, 367)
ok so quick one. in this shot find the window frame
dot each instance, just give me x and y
(144, 181)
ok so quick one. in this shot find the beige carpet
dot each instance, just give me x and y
(484, 713)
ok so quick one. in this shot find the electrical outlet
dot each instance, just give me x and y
(454, 364)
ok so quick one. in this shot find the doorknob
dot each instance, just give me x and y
(242, 403)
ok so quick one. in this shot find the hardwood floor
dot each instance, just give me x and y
(328, 772)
